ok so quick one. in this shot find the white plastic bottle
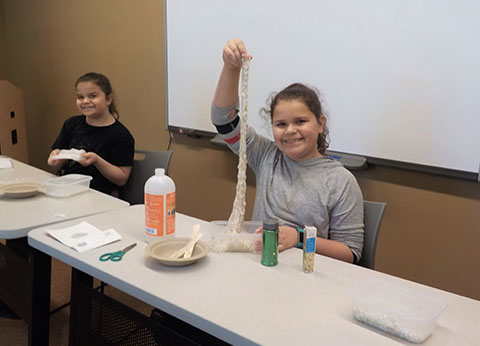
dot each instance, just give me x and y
(159, 207)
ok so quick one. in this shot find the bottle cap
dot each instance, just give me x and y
(159, 171)
(270, 224)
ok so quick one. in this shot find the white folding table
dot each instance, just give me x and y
(232, 297)
(25, 275)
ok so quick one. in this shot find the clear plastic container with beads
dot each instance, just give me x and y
(396, 309)
(245, 241)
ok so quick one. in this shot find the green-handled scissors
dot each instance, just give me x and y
(116, 256)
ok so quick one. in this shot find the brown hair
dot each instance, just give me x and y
(104, 84)
(310, 97)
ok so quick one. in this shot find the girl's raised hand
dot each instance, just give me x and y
(233, 52)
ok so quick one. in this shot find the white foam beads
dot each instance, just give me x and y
(235, 222)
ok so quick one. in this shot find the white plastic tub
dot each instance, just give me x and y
(395, 309)
(67, 185)
(221, 241)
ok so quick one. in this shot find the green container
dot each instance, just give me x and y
(270, 243)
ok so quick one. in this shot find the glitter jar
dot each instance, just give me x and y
(309, 239)
(270, 243)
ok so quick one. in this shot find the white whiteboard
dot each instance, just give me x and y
(400, 79)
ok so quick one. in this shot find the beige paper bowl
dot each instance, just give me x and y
(163, 249)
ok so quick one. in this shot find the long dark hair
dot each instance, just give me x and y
(310, 97)
(104, 84)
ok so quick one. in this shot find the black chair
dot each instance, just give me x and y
(144, 168)
(372, 216)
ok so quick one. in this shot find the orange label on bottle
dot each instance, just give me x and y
(170, 224)
(154, 209)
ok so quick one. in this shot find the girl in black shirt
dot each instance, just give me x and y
(108, 145)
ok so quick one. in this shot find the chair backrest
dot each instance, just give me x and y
(144, 168)
(372, 218)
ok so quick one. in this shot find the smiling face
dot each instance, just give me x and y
(296, 130)
(92, 101)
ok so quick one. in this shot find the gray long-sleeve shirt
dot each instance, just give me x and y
(318, 192)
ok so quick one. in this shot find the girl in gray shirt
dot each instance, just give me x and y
(297, 183)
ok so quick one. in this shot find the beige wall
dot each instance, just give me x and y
(431, 230)
(51, 43)
(3, 46)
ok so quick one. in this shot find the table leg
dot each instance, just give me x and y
(78, 278)
(39, 326)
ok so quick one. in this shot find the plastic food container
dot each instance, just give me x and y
(221, 241)
(398, 310)
(67, 185)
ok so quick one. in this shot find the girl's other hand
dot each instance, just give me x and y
(51, 161)
(88, 159)
(287, 237)
(258, 243)
(233, 52)
(56, 163)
